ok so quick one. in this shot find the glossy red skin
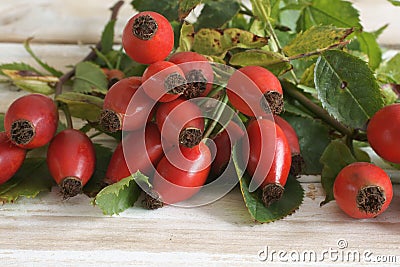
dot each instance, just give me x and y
(119, 97)
(290, 133)
(354, 177)
(11, 158)
(241, 92)
(224, 144)
(153, 50)
(176, 183)
(41, 111)
(140, 156)
(273, 160)
(187, 115)
(154, 77)
(189, 60)
(383, 133)
(71, 154)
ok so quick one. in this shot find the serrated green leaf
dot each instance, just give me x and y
(335, 157)
(95, 184)
(34, 86)
(287, 205)
(89, 78)
(186, 6)
(347, 88)
(186, 37)
(120, 196)
(274, 62)
(216, 13)
(217, 43)
(32, 178)
(167, 8)
(20, 66)
(307, 78)
(44, 65)
(395, 2)
(82, 106)
(391, 69)
(369, 46)
(313, 140)
(316, 38)
(107, 37)
(338, 13)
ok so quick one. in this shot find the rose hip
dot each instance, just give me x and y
(11, 158)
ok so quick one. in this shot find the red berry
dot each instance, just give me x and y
(163, 81)
(198, 72)
(132, 155)
(291, 136)
(362, 190)
(71, 160)
(31, 121)
(180, 121)
(182, 175)
(224, 142)
(148, 37)
(254, 90)
(11, 158)
(383, 133)
(269, 161)
(125, 106)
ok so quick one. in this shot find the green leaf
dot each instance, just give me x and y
(338, 13)
(316, 38)
(335, 157)
(186, 6)
(272, 61)
(89, 78)
(2, 122)
(395, 2)
(287, 205)
(313, 139)
(20, 66)
(95, 184)
(107, 37)
(186, 37)
(347, 88)
(31, 81)
(216, 13)
(391, 69)
(120, 196)
(44, 65)
(82, 106)
(214, 42)
(261, 9)
(369, 46)
(307, 78)
(167, 8)
(32, 178)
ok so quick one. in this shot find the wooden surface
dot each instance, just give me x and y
(47, 231)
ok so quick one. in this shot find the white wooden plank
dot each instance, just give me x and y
(77, 21)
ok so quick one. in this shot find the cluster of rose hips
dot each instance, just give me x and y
(164, 129)
(31, 122)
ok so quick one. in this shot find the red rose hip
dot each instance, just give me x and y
(11, 158)
(71, 161)
(31, 121)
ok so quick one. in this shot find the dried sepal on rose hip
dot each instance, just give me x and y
(31, 121)
(198, 72)
(254, 89)
(125, 98)
(180, 122)
(163, 81)
(11, 158)
(268, 161)
(179, 175)
(362, 190)
(383, 133)
(148, 37)
(71, 161)
(291, 135)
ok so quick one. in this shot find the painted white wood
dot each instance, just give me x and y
(76, 21)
